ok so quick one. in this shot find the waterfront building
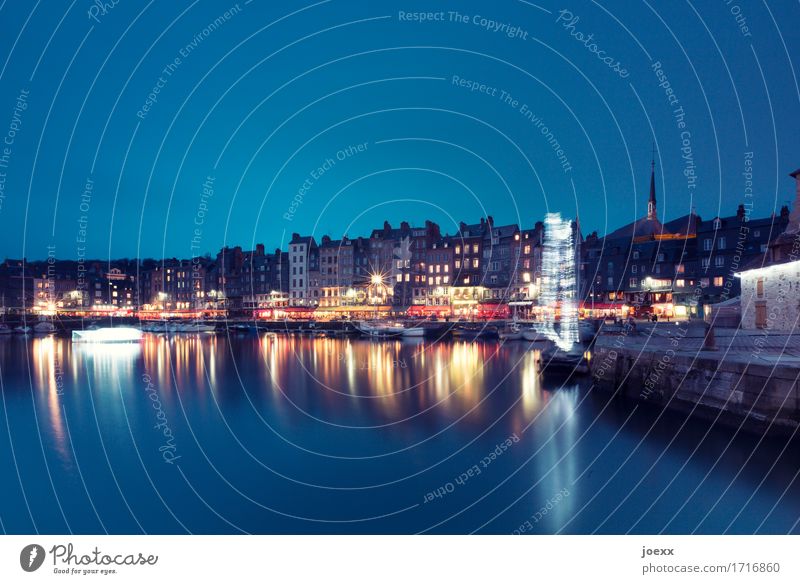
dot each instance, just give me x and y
(303, 266)
(332, 286)
(500, 261)
(726, 244)
(433, 295)
(770, 285)
(671, 269)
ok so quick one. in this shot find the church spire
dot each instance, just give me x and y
(651, 202)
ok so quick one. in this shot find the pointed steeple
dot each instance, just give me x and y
(651, 202)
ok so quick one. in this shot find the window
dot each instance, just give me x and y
(458, 249)
(704, 282)
(717, 223)
(493, 280)
(679, 268)
(636, 255)
(680, 283)
(760, 288)
(475, 262)
(633, 282)
(660, 257)
(458, 264)
(610, 282)
(526, 250)
(719, 261)
(763, 248)
(610, 266)
(717, 281)
(706, 245)
(495, 266)
(474, 248)
(705, 262)
(446, 268)
(446, 279)
(526, 277)
(634, 268)
(721, 243)
(757, 233)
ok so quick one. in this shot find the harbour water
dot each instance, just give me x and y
(291, 434)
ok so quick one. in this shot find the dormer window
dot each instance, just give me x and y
(717, 223)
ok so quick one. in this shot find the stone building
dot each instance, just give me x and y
(770, 297)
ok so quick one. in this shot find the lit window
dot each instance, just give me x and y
(717, 280)
(633, 282)
(474, 248)
(475, 262)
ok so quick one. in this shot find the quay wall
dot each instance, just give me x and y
(738, 389)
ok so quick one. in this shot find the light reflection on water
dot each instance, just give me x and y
(348, 428)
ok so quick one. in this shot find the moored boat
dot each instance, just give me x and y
(414, 331)
(533, 336)
(44, 327)
(474, 332)
(120, 334)
(5, 329)
(558, 360)
(512, 332)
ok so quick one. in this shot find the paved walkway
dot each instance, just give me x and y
(736, 344)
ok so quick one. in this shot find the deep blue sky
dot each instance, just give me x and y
(268, 96)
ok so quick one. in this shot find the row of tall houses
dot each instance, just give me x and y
(420, 267)
(671, 268)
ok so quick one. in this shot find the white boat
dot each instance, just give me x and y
(44, 327)
(5, 329)
(22, 329)
(414, 331)
(512, 332)
(533, 336)
(121, 334)
(380, 329)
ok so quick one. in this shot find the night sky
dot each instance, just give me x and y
(277, 117)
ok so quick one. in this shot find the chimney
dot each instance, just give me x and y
(794, 217)
(326, 239)
(490, 220)
(260, 249)
(386, 226)
(405, 226)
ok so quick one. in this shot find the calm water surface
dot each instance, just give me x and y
(219, 434)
